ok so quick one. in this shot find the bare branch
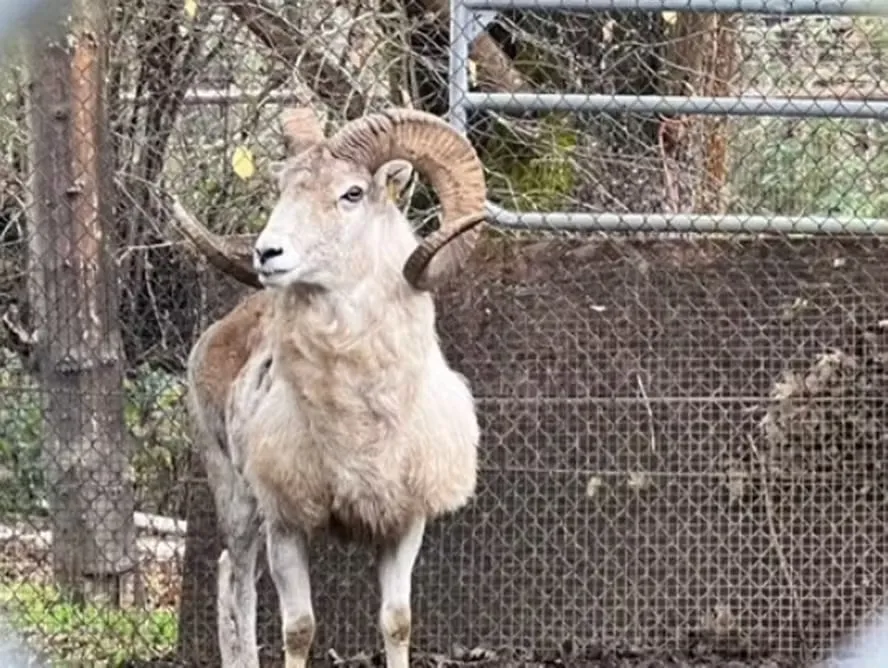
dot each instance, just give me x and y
(331, 83)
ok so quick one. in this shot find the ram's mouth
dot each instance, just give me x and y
(272, 272)
(275, 277)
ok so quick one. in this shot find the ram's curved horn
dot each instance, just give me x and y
(436, 149)
(446, 159)
(232, 255)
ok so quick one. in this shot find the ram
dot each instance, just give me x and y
(323, 404)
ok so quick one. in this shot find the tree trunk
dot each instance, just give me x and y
(702, 61)
(73, 303)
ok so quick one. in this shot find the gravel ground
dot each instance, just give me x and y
(598, 658)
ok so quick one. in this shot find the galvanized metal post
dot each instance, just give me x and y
(458, 88)
(781, 7)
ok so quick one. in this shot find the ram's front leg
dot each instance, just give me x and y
(288, 562)
(395, 574)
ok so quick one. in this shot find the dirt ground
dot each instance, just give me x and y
(597, 658)
(590, 658)
(651, 361)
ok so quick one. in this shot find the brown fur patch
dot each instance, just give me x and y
(299, 635)
(397, 626)
(230, 345)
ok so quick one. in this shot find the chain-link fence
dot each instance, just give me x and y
(682, 432)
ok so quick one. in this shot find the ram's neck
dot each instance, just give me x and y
(363, 354)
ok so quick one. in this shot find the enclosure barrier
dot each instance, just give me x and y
(467, 17)
(683, 435)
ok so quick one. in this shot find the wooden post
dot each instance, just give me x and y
(73, 302)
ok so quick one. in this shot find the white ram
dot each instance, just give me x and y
(324, 404)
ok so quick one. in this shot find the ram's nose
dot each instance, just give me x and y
(266, 253)
(273, 258)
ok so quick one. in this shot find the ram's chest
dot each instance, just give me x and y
(362, 493)
(322, 453)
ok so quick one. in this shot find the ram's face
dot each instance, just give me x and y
(336, 222)
(327, 210)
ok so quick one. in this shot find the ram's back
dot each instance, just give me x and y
(217, 359)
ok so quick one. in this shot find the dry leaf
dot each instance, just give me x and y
(242, 162)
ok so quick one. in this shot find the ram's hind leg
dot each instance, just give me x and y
(288, 561)
(395, 574)
(237, 599)
(239, 522)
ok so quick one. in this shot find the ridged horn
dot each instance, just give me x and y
(447, 160)
(232, 255)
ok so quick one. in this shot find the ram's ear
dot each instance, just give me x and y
(394, 176)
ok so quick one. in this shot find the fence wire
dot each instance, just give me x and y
(683, 434)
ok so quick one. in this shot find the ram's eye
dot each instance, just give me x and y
(353, 194)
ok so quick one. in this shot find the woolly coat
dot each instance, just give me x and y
(343, 415)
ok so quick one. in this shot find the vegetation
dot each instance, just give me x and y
(813, 165)
(22, 488)
(88, 635)
(154, 415)
(533, 170)
(793, 167)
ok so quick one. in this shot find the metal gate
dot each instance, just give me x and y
(644, 601)
(469, 17)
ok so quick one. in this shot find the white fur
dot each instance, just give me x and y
(326, 401)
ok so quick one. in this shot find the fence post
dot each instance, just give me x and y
(73, 306)
(458, 81)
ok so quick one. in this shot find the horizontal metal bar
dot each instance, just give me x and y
(746, 105)
(686, 222)
(781, 7)
(746, 403)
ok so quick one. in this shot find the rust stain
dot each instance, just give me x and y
(86, 89)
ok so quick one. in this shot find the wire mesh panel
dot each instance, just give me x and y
(674, 329)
